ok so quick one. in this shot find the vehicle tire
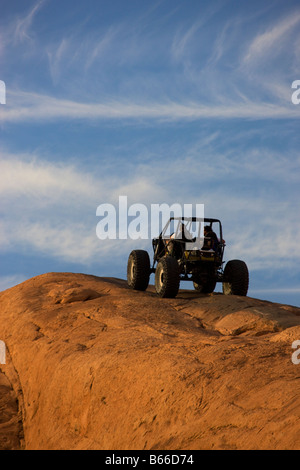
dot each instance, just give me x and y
(138, 270)
(205, 288)
(236, 278)
(167, 278)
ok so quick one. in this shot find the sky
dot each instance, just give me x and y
(160, 101)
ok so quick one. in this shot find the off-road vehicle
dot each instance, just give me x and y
(185, 252)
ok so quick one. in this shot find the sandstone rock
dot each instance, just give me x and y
(92, 364)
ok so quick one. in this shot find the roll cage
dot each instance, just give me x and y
(176, 230)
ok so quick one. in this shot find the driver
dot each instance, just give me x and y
(210, 239)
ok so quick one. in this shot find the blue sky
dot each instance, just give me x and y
(163, 101)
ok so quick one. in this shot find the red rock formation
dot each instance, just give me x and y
(95, 365)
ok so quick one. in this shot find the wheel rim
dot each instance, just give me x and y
(198, 287)
(227, 289)
(161, 277)
(132, 269)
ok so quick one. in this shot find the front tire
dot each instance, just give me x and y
(138, 270)
(236, 278)
(167, 278)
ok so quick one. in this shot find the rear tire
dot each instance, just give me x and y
(206, 288)
(236, 278)
(167, 278)
(138, 270)
(206, 283)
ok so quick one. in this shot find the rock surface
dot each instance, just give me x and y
(91, 364)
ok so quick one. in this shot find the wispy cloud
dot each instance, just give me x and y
(182, 40)
(186, 39)
(23, 25)
(100, 46)
(75, 55)
(31, 107)
(271, 41)
(194, 91)
(30, 176)
(51, 208)
(57, 58)
(191, 57)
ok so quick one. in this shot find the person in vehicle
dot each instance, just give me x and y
(211, 241)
